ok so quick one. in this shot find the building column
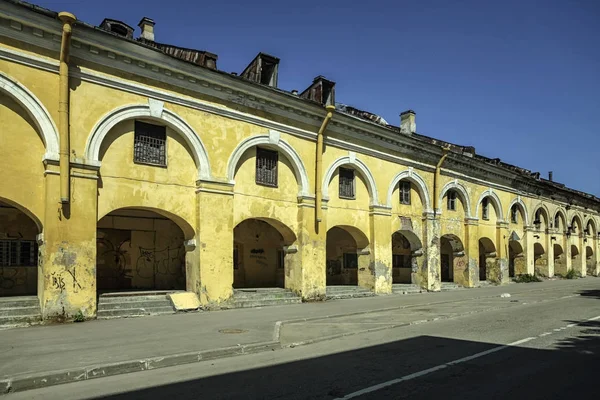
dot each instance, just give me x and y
(499, 273)
(581, 268)
(550, 252)
(429, 274)
(472, 250)
(213, 279)
(567, 252)
(380, 243)
(596, 248)
(67, 256)
(528, 250)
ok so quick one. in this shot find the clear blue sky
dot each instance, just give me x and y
(519, 80)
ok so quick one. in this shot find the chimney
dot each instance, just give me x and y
(147, 27)
(408, 123)
(550, 176)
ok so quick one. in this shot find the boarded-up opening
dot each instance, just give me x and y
(18, 252)
(139, 250)
(516, 259)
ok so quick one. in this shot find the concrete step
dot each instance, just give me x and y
(16, 321)
(17, 311)
(19, 301)
(262, 297)
(249, 303)
(135, 298)
(144, 304)
(347, 292)
(250, 294)
(448, 286)
(406, 288)
(134, 312)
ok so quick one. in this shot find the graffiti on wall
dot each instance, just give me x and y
(168, 261)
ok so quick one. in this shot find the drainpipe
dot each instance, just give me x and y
(436, 179)
(319, 164)
(63, 104)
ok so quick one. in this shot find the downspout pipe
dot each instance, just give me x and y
(67, 20)
(319, 166)
(436, 179)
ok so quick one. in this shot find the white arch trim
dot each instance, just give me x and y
(416, 179)
(520, 201)
(154, 111)
(271, 140)
(462, 192)
(496, 202)
(351, 159)
(37, 112)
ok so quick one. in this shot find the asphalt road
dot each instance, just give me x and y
(547, 350)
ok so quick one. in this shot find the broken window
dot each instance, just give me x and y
(404, 192)
(350, 260)
(451, 198)
(514, 214)
(346, 183)
(485, 209)
(150, 144)
(21, 253)
(266, 167)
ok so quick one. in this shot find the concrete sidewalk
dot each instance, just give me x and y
(46, 355)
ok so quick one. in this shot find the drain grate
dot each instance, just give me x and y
(232, 331)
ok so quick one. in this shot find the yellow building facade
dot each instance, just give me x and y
(127, 166)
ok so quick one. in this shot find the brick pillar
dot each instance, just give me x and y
(380, 243)
(472, 250)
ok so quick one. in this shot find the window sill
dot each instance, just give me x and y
(347, 198)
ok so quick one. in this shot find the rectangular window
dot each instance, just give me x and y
(514, 215)
(280, 259)
(350, 260)
(150, 144)
(18, 253)
(485, 211)
(346, 183)
(404, 192)
(451, 201)
(266, 167)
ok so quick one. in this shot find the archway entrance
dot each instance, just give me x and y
(406, 249)
(139, 249)
(487, 259)
(18, 252)
(343, 255)
(516, 259)
(540, 259)
(590, 261)
(452, 257)
(259, 253)
(575, 258)
(560, 264)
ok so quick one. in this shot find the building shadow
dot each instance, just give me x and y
(594, 293)
(565, 369)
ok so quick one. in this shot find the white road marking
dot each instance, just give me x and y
(433, 369)
(414, 375)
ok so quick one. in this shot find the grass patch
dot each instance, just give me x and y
(571, 274)
(79, 317)
(526, 278)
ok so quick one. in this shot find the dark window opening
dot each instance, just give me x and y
(350, 260)
(150, 144)
(266, 167)
(400, 261)
(514, 215)
(485, 209)
(556, 222)
(451, 198)
(346, 183)
(404, 192)
(18, 253)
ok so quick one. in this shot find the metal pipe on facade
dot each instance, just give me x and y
(63, 105)
(436, 178)
(319, 164)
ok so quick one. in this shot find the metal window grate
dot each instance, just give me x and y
(404, 192)
(346, 183)
(266, 167)
(150, 144)
(23, 253)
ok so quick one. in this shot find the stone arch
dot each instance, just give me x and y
(36, 110)
(361, 167)
(563, 218)
(462, 192)
(522, 207)
(576, 219)
(26, 211)
(574, 251)
(417, 180)
(496, 203)
(362, 241)
(543, 212)
(453, 261)
(591, 223)
(455, 242)
(187, 229)
(272, 141)
(152, 111)
(288, 235)
(412, 238)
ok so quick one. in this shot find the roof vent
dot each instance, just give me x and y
(322, 91)
(119, 28)
(263, 69)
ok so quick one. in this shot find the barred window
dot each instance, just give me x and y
(22, 253)
(346, 183)
(350, 260)
(451, 197)
(404, 192)
(150, 144)
(485, 209)
(266, 167)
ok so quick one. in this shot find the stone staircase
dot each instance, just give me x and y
(19, 311)
(347, 292)
(262, 297)
(133, 304)
(406, 288)
(449, 286)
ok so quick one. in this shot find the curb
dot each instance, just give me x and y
(44, 379)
